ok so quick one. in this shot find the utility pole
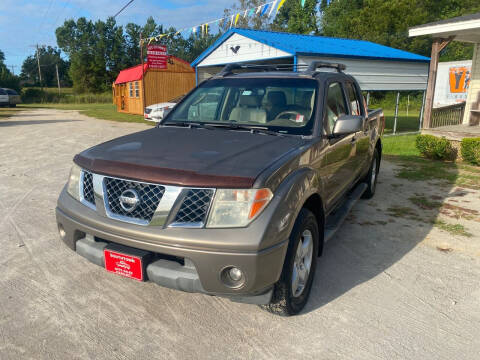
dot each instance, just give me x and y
(39, 72)
(144, 102)
(13, 68)
(58, 79)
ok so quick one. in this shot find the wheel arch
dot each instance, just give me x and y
(314, 204)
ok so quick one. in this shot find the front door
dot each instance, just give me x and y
(340, 150)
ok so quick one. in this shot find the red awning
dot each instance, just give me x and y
(131, 74)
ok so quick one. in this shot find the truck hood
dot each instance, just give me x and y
(189, 156)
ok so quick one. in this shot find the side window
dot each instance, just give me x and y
(353, 99)
(130, 88)
(335, 105)
(137, 89)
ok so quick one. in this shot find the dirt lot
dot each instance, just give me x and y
(401, 279)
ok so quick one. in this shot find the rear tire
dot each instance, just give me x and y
(372, 176)
(13, 105)
(291, 292)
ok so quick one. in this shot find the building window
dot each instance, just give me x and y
(130, 88)
(137, 89)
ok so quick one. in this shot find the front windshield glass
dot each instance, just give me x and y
(282, 105)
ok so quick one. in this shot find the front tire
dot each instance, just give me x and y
(291, 292)
(372, 176)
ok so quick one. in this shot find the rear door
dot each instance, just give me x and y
(361, 137)
(340, 150)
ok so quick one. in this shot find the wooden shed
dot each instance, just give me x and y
(160, 85)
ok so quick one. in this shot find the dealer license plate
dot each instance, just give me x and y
(124, 264)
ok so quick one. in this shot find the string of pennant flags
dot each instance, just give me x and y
(266, 9)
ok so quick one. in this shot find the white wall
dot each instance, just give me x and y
(380, 74)
(446, 90)
(248, 50)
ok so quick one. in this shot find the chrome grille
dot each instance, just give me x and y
(88, 194)
(149, 195)
(194, 207)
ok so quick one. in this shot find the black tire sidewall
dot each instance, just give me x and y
(305, 221)
(371, 189)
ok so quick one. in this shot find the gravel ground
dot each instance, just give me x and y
(388, 286)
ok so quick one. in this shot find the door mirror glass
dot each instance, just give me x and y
(348, 124)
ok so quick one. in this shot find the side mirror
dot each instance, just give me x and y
(348, 124)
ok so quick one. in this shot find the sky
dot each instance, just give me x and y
(24, 23)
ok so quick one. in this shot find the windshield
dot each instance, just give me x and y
(281, 105)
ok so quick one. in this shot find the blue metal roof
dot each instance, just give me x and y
(297, 44)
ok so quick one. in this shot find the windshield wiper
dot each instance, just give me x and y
(252, 129)
(188, 124)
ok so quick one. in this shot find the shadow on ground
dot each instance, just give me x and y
(32, 122)
(382, 230)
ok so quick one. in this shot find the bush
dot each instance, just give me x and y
(470, 148)
(433, 147)
(34, 96)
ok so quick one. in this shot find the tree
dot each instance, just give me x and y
(96, 51)
(295, 18)
(7, 79)
(252, 20)
(49, 57)
(387, 21)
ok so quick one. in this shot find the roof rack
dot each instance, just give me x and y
(310, 68)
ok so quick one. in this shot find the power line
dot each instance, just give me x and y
(123, 8)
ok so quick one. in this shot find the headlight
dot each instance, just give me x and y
(73, 186)
(237, 208)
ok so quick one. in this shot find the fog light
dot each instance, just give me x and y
(61, 231)
(233, 277)
(235, 274)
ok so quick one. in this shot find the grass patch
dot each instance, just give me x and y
(454, 229)
(99, 111)
(403, 212)
(424, 203)
(53, 90)
(404, 123)
(401, 145)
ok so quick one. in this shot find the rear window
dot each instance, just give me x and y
(3, 92)
(11, 92)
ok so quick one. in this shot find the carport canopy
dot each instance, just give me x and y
(376, 67)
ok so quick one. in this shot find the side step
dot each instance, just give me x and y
(336, 219)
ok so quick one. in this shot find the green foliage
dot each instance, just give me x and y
(433, 147)
(470, 149)
(99, 50)
(38, 96)
(387, 21)
(7, 79)
(400, 145)
(294, 18)
(49, 57)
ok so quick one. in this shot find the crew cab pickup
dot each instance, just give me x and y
(236, 190)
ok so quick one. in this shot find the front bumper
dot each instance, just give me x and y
(87, 232)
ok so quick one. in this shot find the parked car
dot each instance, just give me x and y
(237, 189)
(9, 97)
(157, 112)
(3, 98)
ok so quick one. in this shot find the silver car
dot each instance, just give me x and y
(9, 97)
